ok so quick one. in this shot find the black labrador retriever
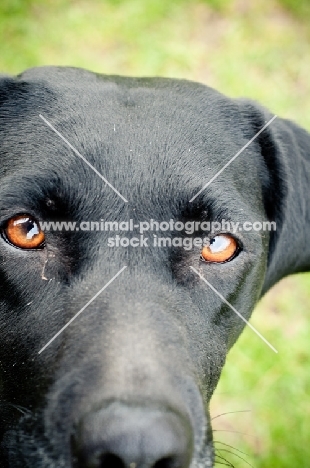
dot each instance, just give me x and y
(113, 340)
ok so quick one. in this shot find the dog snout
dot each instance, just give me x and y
(122, 436)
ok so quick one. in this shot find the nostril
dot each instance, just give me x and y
(109, 460)
(167, 462)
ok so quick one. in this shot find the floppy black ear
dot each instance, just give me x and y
(3, 81)
(285, 178)
(9, 89)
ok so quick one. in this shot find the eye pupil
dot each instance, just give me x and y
(32, 229)
(24, 232)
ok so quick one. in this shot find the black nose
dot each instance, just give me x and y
(121, 436)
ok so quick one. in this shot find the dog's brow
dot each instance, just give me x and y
(82, 157)
(233, 158)
(233, 308)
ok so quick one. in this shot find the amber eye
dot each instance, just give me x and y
(221, 249)
(24, 232)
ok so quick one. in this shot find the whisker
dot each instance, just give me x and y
(224, 461)
(227, 445)
(19, 408)
(234, 432)
(236, 455)
(230, 412)
(218, 462)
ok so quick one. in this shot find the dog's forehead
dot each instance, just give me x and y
(156, 104)
(134, 131)
(150, 117)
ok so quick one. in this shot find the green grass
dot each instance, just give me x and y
(242, 48)
(258, 49)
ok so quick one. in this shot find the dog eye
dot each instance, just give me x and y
(222, 248)
(24, 232)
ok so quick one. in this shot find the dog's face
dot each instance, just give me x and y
(128, 382)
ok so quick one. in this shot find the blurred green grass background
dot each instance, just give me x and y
(259, 49)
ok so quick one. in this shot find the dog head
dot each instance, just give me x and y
(111, 349)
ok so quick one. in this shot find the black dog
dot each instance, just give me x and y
(127, 383)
